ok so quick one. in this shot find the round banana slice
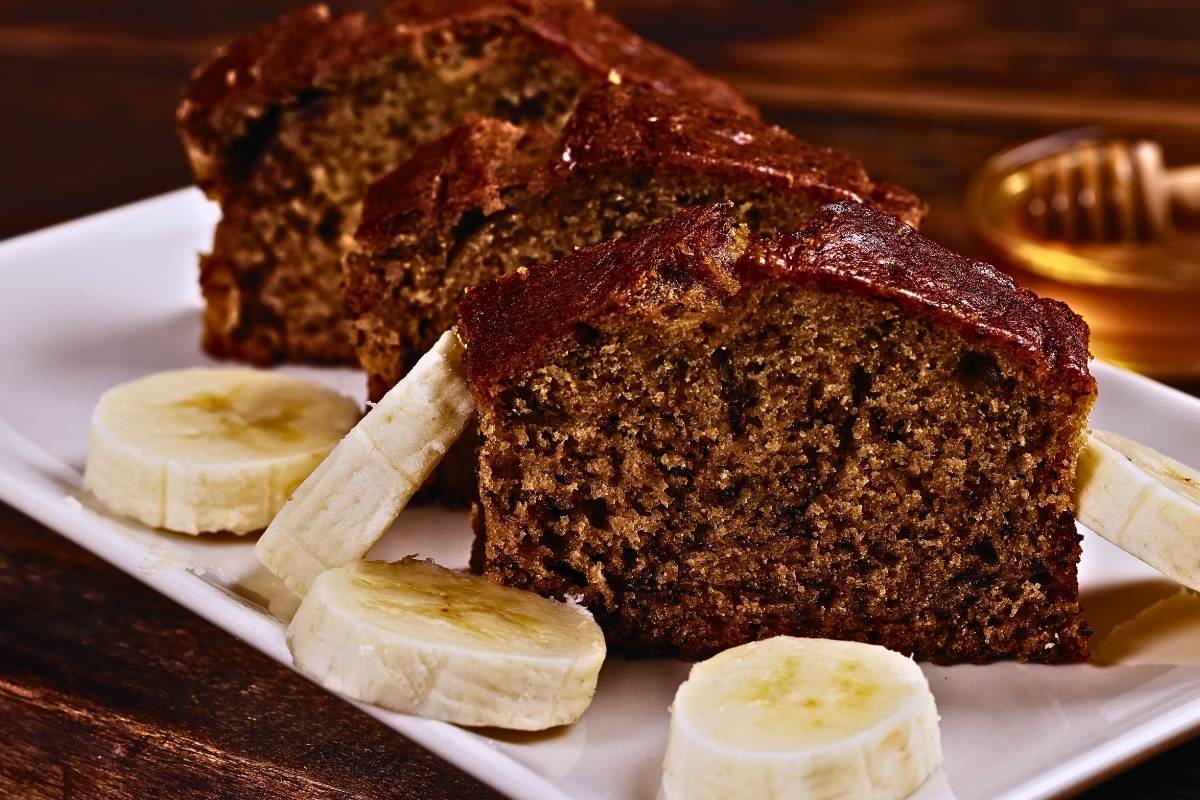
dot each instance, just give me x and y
(804, 719)
(197, 450)
(415, 637)
(1143, 502)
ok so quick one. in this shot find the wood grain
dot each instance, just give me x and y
(109, 690)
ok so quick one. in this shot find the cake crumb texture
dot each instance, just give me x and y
(783, 454)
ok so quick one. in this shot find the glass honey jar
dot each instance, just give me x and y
(1140, 299)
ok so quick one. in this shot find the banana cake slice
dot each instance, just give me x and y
(286, 126)
(491, 197)
(846, 432)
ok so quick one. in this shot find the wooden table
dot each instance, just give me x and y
(109, 690)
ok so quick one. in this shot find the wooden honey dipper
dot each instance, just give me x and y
(1104, 191)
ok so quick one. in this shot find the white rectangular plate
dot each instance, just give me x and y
(113, 297)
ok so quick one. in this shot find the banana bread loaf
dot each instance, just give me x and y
(846, 432)
(287, 125)
(490, 197)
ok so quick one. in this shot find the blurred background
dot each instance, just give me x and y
(922, 92)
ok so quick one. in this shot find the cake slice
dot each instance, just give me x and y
(490, 197)
(847, 432)
(287, 125)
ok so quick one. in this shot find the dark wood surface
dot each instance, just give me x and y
(109, 690)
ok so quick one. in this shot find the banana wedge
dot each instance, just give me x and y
(196, 450)
(347, 504)
(802, 719)
(418, 638)
(1143, 502)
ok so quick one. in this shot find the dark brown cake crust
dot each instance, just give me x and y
(623, 129)
(847, 247)
(307, 50)
(629, 130)
(594, 39)
(465, 171)
(848, 432)
(507, 322)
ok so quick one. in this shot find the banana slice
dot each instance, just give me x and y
(804, 719)
(415, 637)
(1143, 502)
(349, 501)
(196, 450)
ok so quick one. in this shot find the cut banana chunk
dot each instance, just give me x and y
(349, 501)
(415, 637)
(197, 450)
(1143, 502)
(803, 719)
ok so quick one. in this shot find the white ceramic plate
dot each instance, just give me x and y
(113, 297)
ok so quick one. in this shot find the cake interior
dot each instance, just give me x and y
(273, 281)
(424, 287)
(802, 462)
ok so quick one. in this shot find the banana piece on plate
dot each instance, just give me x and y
(1143, 502)
(418, 638)
(351, 499)
(197, 450)
(803, 719)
